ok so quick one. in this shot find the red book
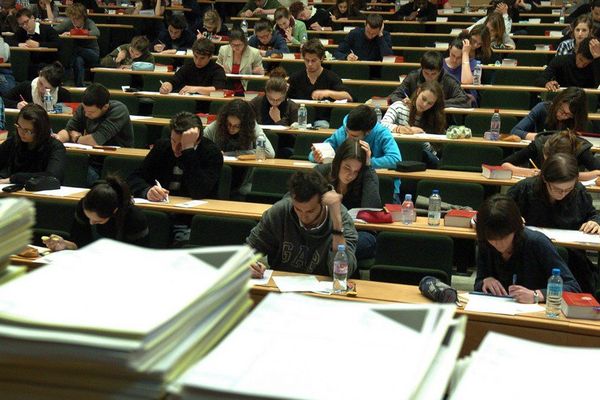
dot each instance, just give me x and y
(459, 218)
(580, 305)
(495, 172)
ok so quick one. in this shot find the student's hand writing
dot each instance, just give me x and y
(493, 286)
(54, 242)
(188, 89)
(365, 146)
(257, 270)
(33, 44)
(352, 57)
(121, 56)
(595, 48)
(416, 129)
(74, 136)
(189, 138)
(275, 114)
(21, 104)
(521, 294)
(159, 47)
(157, 194)
(316, 27)
(317, 155)
(320, 94)
(258, 11)
(165, 88)
(590, 227)
(552, 86)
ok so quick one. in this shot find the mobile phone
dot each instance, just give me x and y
(12, 188)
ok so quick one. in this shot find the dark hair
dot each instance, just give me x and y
(178, 22)
(296, 8)
(24, 12)
(432, 60)
(584, 49)
(281, 12)
(41, 123)
(561, 142)
(434, 119)
(498, 217)
(349, 150)
(276, 84)
(456, 42)
(184, 120)
(109, 195)
(484, 53)
(304, 185)
(595, 3)
(238, 34)
(95, 95)
(375, 21)
(577, 100)
(243, 111)
(361, 118)
(313, 46)
(53, 73)
(278, 72)
(140, 43)
(262, 25)
(203, 47)
(558, 168)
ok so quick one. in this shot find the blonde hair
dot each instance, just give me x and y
(213, 18)
(76, 10)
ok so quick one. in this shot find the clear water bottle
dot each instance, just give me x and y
(378, 112)
(261, 151)
(397, 5)
(495, 124)
(467, 6)
(302, 116)
(340, 270)
(48, 104)
(477, 74)
(434, 211)
(408, 210)
(561, 18)
(554, 294)
(244, 27)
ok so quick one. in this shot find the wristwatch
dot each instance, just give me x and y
(536, 297)
(338, 231)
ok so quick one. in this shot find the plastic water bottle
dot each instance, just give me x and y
(477, 74)
(467, 6)
(302, 116)
(261, 151)
(340, 270)
(434, 211)
(561, 18)
(554, 294)
(408, 210)
(244, 27)
(48, 101)
(495, 125)
(378, 112)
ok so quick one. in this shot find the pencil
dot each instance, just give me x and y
(22, 99)
(532, 163)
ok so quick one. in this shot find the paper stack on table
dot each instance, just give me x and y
(17, 216)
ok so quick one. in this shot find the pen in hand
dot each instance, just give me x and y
(166, 198)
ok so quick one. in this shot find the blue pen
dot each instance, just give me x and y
(514, 279)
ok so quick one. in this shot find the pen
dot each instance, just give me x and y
(22, 99)
(160, 187)
(532, 163)
(514, 279)
(489, 294)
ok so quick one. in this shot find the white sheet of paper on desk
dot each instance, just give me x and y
(191, 203)
(441, 19)
(327, 151)
(275, 127)
(456, 31)
(180, 52)
(343, 101)
(499, 305)
(325, 287)
(303, 164)
(139, 200)
(229, 158)
(591, 182)
(264, 280)
(69, 145)
(63, 191)
(458, 109)
(300, 283)
(348, 28)
(565, 235)
(138, 117)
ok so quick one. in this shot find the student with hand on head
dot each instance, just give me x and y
(499, 24)
(175, 37)
(567, 110)
(301, 232)
(239, 58)
(292, 30)
(127, 54)
(275, 107)
(26, 92)
(315, 18)
(98, 121)
(316, 83)
(342, 11)
(267, 41)
(106, 211)
(369, 43)
(351, 175)
(417, 10)
(460, 65)
(581, 28)
(45, 10)
(480, 43)
(556, 199)
(256, 8)
(513, 260)
(211, 27)
(31, 151)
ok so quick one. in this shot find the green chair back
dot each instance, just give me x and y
(166, 108)
(121, 166)
(210, 230)
(463, 194)
(303, 144)
(464, 157)
(53, 217)
(479, 124)
(410, 151)
(76, 168)
(160, 228)
(269, 185)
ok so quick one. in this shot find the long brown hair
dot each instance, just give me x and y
(349, 150)
(577, 100)
(244, 112)
(497, 22)
(484, 53)
(434, 119)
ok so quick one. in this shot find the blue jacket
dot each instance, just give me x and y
(276, 45)
(365, 49)
(535, 121)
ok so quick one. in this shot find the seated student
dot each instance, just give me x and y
(7, 79)
(548, 143)
(26, 92)
(361, 123)
(370, 43)
(106, 211)
(149, 7)
(351, 175)
(424, 113)
(316, 19)
(8, 21)
(432, 69)
(32, 34)
(417, 10)
(589, 8)
(202, 76)
(342, 11)
(513, 260)
(317, 83)
(45, 10)
(289, 28)
(257, 8)
(567, 110)
(442, 4)
(499, 25)
(98, 121)
(581, 69)
(275, 107)
(555, 199)
(87, 5)
(32, 151)
(86, 53)
(239, 58)
(266, 41)
(581, 28)
(176, 37)
(458, 57)
(187, 164)
(301, 232)
(211, 27)
(481, 46)
(126, 54)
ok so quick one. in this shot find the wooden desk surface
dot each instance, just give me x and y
(77, 37)
(134, 16)
(34, 49)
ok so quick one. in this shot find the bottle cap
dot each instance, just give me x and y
(555, 271)
(341, 247)
(302, 105)
(435, 191)
(496, 110)
(408, 197)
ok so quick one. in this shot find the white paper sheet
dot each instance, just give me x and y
(275, 127)
(300, 283)
(63, 191)
(565, 235)
(264, 280)
(191, 203)
(498, 305)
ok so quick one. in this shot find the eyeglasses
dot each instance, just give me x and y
(24, 23)
(557, 190)
(23, 130)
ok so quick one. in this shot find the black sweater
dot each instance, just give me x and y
(47, 37)
(13, 97)
(454, 95)
(19, 162)
(563, 70)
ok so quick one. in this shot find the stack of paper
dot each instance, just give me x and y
(117, 321)
(293, 346)
(17, 216)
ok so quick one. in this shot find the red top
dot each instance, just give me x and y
(238, 88)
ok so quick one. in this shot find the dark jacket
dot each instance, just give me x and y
(189, 75)
(13, 97)
(288, 110)
(108, 60)
(276, 45)
(19, 163)
(47, 37)
(185, 41)
(366, 50)
(563, 70)
(112, 129)
(427, 13)
(454, 95)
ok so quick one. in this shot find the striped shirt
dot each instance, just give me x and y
(566, 47)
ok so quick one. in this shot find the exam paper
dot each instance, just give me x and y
(264, 280)
(301, 283)
(63, 191)
(498, 305)
(565, 235)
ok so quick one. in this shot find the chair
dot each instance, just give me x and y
(141, 138)
(408, 257)
(504, 99)
(160, 227)
(120, 166)
(303, 144)
(464, 194)
(210, 230)
(53, 217)
(410, 151)
(166, 108)
(268, 185)
(224, 185)
(464, 157)
(76, 168)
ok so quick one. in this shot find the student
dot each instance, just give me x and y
(301, 232)
(32, 151)
(581, 69)
(342, 11)
(351, 175)
(266, 41)
(126, 54)
(212, 27)
(567, 110)
(26, 92)
(257, 8)
(45, 10)
(7, 79)
(370, 43)
(432, 70)
(548, 143)
(589, 8)
(417, 10)
(513, 260)
(316, 19)
(8, 21)
(292, 30)
(149, 7)
(460, 65)
(499, 25)
(481, 47)
(555, 199)
(98, 121)
(317, 83)
(239, 58)
(175, 37)
(86, 52)
(106, 211)
(275, 107)
(581, 28)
